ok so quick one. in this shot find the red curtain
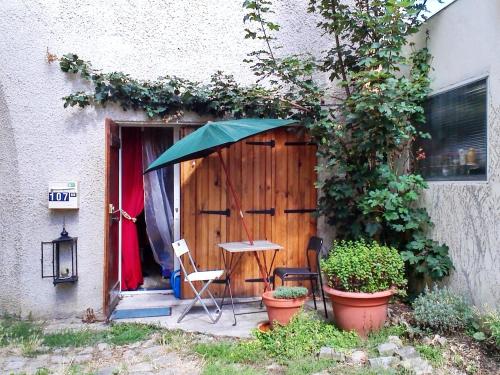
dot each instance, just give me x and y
(132, 204)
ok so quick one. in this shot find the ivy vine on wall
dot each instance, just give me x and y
(169, 96)
(364, 140)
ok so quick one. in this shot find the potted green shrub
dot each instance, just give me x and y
(361, 278)
(284, 302)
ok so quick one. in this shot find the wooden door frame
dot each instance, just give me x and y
(107, 307)
(177, 194)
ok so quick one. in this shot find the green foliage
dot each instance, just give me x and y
(231, 357)
(492, 325)
(170, 96)
(42, 371)
(378, 337)
(126, 333)
(247, 352)
(176, 339)
(118, 334)
(221, 368)
(290, 292)
(14, 330)
(306, 366)
(487, 327)
(365, 141)
(72, 338)
(359, 266)
(442, 310)
(304, 336)
(433, 354)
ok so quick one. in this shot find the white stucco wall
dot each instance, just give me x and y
(465, 44)
(41, 141)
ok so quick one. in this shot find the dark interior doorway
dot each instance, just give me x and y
(151, 270)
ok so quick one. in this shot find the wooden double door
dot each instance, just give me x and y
(274, 175)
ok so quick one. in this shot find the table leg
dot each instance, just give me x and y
(229, 265)
(262, 270)
(232, 300)
(268, 271)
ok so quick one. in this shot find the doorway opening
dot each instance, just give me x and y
(152, 273)
(149, 209)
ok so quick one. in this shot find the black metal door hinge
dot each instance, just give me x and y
(270, 143)
(270, 211)
(300, 211)
(226, 212)
(300, 144)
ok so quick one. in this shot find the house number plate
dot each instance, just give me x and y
(60, 196)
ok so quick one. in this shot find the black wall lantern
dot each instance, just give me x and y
(64, 258)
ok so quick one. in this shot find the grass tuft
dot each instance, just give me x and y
(308, 366)
(433, 354)
(126, 333)
(247, 352)
(70, 338)
(221, 368)
(118, 334)
(14, 330)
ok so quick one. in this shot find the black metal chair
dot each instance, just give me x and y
(305, 273)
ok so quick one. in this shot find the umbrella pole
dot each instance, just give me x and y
(235, 197)
(262, 270)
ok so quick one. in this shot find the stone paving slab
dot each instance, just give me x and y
(147, 357)
(197, 321)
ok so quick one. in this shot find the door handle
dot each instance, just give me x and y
(112, 213)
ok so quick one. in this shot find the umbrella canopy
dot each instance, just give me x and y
(213, 136)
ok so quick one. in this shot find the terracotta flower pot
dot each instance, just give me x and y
(281, 310)
(361, 312)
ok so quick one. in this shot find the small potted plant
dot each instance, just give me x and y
(361, 279)
(284, 302)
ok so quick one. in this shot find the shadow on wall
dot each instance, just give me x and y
(10, 207)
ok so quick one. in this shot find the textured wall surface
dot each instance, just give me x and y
(465, 44)
(41, 141)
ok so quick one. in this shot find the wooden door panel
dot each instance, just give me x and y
(279, 177)
(281, 195)
(189, 215)
(111, 284)
(214, 223)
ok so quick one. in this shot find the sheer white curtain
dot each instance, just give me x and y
(158, 197)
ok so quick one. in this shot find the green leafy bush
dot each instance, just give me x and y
(303, 336)
(487, 327)
(442, 310)
(492, 324)
(290, 292)
(359, 266)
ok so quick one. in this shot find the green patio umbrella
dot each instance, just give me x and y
(211, 138)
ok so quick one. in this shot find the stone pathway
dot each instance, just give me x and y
(392, 354)
(147, 357)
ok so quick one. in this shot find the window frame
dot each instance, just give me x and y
(462, 83)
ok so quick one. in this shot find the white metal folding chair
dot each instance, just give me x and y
(206, 278)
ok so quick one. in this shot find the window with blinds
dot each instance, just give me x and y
(457, 122)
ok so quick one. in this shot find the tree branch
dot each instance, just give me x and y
(264, 32)
(339, 53)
